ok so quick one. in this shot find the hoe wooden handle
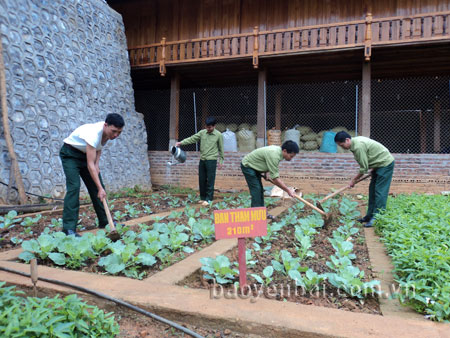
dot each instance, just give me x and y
(343, 189)
(311, 205)
(108, 215)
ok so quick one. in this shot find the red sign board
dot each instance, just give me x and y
(240, 223)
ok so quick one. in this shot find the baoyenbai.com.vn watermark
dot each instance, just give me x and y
(279, 291)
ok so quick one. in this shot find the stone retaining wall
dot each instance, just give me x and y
(67, 64)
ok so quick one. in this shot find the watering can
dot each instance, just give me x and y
(178, 155)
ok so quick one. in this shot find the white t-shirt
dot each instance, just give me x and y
(90, 133)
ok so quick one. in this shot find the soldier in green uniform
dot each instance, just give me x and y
(211, 149)
(370, 155)
(263, 161)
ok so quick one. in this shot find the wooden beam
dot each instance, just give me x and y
(261, 119)
(364, 119)
(174, 109)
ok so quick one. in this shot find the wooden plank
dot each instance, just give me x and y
(203, 49)
(243, 46)
(234, 46)
(406, 29)
(250, 43)
(427, 27)
(196, 49)
(395, 30)
(385, 30)
(332, 41)
(438, 25)
(351, 34)
(226, 47)
(323, 35)
(375, 32)
(417, 28)
(189, 50)
(287, 41)
(305, 38)
(219, 48)
(182, 55)
(296, 40)
(211, 47)
(278, 42)
(262, 43)
(361, 33)
(341, 35)
(314, 36)
(270, 42)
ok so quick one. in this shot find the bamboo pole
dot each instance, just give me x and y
(8, 139)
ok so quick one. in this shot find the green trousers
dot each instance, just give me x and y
(255, 186)
(207, 178)
(74, 163)
(379, 189)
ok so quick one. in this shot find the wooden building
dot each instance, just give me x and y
(380, 68)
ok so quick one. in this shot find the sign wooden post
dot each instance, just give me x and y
(241, 223)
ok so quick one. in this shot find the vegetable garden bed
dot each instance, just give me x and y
(14, 229)
(143, 249)
(301, 261)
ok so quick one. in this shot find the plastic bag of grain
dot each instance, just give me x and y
(328, 145)
(229, 141)
(274, 137)
(311, 136)
(352, 133)
(232, 127)
(338, 129)
(254, 129)
(292, 135)
(243, 126)
(246, 140)
(304, 130)
(310, 145)
(221, 127)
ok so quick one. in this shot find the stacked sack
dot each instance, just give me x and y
(308, 139)
(292, 135)
(246, 139)
(229, 141)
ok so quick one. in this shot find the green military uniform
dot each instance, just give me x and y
(211, 148)
(262, 160)
(373, 155)
(74, 163)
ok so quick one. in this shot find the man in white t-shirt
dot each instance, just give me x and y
(80, 156)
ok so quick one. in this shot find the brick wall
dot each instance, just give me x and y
(311, 172)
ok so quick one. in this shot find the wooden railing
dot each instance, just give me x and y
(365, 34)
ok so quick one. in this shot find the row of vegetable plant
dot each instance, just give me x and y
(416, 232)
(292, 263)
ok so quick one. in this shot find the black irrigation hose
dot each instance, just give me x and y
(115, 300)
(30, 193)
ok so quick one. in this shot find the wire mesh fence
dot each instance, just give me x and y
(410, 115)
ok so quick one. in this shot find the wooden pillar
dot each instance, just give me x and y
(364, 120)
(261, 118)
(437, 127)
(174, 109)
(278, 97)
